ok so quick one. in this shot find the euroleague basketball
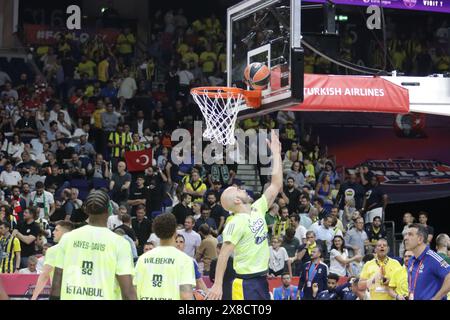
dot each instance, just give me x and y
(257, 75)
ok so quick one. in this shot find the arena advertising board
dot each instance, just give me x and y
(421, 5)
(409, 169)
(45, 35)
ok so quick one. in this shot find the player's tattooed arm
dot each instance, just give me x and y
(186, 292)
(55, 293)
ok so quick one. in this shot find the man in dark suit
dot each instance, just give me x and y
(139, 124)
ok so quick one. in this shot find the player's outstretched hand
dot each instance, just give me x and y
(274, 143)
(215, 293)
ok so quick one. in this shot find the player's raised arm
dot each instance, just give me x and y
(277, 170)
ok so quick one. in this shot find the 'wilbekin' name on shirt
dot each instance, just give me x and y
(159, 260)
(86, 245)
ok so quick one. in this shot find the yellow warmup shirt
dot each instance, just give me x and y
(378, 291)
(248, 233)
(160, 273)
(91, 257)
(50, 258)
(399, 282)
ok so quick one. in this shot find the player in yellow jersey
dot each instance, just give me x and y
(61, 228)
(165, 273)
(246, 235)
(92, 261)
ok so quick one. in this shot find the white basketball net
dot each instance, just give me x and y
(219, 108)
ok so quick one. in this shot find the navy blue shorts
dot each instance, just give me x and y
(251, 289)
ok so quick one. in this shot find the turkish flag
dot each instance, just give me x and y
(138, 160)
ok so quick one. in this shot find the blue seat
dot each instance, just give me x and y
(98, 183)
(154, 214)
(79, 183)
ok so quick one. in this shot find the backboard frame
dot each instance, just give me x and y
(284, 98)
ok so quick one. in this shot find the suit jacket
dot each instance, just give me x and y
(134, 126)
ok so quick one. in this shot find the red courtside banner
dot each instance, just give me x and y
(352, 93)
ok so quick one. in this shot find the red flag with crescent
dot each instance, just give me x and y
(138, 160)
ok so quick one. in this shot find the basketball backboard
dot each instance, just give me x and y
(266, 31)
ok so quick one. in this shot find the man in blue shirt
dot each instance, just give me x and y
(428, 273)
(286, 291)
(314, 273)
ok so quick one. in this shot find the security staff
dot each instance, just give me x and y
(428, 273)
(314, 273)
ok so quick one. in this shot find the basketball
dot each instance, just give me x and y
(257, 75)
(199, 295)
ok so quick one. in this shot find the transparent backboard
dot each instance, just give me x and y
(269, 32)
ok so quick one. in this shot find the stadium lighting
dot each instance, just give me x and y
(103, 9)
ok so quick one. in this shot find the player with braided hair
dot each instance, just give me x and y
(94, 263)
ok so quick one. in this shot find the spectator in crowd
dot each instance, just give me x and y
(182, 209)
(195, 187)
(331, 293)
(271, 217)
(356, 238)
(205, 218)
(121, 233)
(375, 201)
(31, 266)
(376, 273)
(218, 213)
(148, 246)
(282, 223)
(192, 238)
(207, 249)
(339, 259)
(350, 190)
(314, 273)
(287, 291)
(27, 232)
(375, 231)
(115, 220)
(325, 231)
(308, 214)
(127, 228)
(423, 219)
(142, 227)
(120, 184)
(300, 231)
(292, 194)
(279, 260)
(199, 283)
(138, 195)
(10, 178)
(408, 219)
(43, 201)
(10, 249)
(443, 246)
(398, 284)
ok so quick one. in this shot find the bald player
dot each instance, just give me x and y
(246, 234)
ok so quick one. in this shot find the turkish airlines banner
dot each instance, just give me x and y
(39, 34)
(352, 93)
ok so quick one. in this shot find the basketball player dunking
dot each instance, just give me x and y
(246, 234)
